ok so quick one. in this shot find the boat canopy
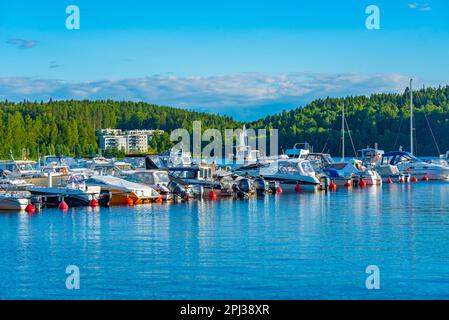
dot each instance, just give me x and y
(395, 157)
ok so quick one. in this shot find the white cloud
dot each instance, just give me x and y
(245, 95)
(22, 43)
(420, 6)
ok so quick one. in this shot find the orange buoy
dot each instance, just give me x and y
(362, 183)
(297, 188)
(63, 205)
(389, 181)
(332, 186)
(128, 201)
(30, 208)
(93, 203)
(212, 194)
(279, 190)
(158, 200)
(425, 178)
(414, 179)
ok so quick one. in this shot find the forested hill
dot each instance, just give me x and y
(68, 127)
(381, 118)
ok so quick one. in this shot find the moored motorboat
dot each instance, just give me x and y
(122, 190)
(289, 173)
(420, 169)
(13, 201)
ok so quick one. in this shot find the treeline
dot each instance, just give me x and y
(68, 127)
(380, 118)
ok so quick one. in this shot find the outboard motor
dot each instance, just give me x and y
(260, 185)
(274, 186)
(242, 188)
(177, 190)
(245, 185)
(325, 181)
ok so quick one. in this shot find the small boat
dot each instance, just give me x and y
(409, 164)
(122, 190)
(13, 201)
(74, 195)
(352, 172)
(372, 158)
(299, 151)
(202, 177)
(287, 172)
(156, 179)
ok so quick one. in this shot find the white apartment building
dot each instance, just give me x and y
(130, 141)
(136, 143)
(113, 142)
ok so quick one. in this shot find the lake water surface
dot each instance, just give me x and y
(298, 246)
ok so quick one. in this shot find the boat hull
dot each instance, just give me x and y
(13, 204)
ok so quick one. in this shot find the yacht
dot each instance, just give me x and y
(122, 191)
(75, 194)
(287, 172)
(352, 172)
(372, 158)
(409, 164)
(28, 171)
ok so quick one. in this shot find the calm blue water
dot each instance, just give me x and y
(288, 246)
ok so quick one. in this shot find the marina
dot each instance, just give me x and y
(285, 246)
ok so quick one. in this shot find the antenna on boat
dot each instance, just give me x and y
(411, 117)
(343, 132)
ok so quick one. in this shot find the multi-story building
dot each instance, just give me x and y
(137, 143)
(130, 141)
(112, 142)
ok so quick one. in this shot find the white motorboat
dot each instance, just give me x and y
(420, 169)
(351, 172)
(13, 201)
(122, 191)
(287, 172)
(156, 179)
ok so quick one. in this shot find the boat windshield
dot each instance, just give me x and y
(338, 166)
(307, 167)
(150, 178)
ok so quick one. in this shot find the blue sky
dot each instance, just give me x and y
(244, 58)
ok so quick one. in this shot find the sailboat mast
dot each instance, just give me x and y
(411, 117)
(343, 132)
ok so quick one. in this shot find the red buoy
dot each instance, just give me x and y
(401, 180)
(332, 186)
(212, 194)
(425, 178)
(30, 208)
(348, 185)
(159, 200)
(279, 190)
(414, 179)
(63, 205)
(389, 181)
(128, 201)
(297, 188)
(93, 203)
(362, 183)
